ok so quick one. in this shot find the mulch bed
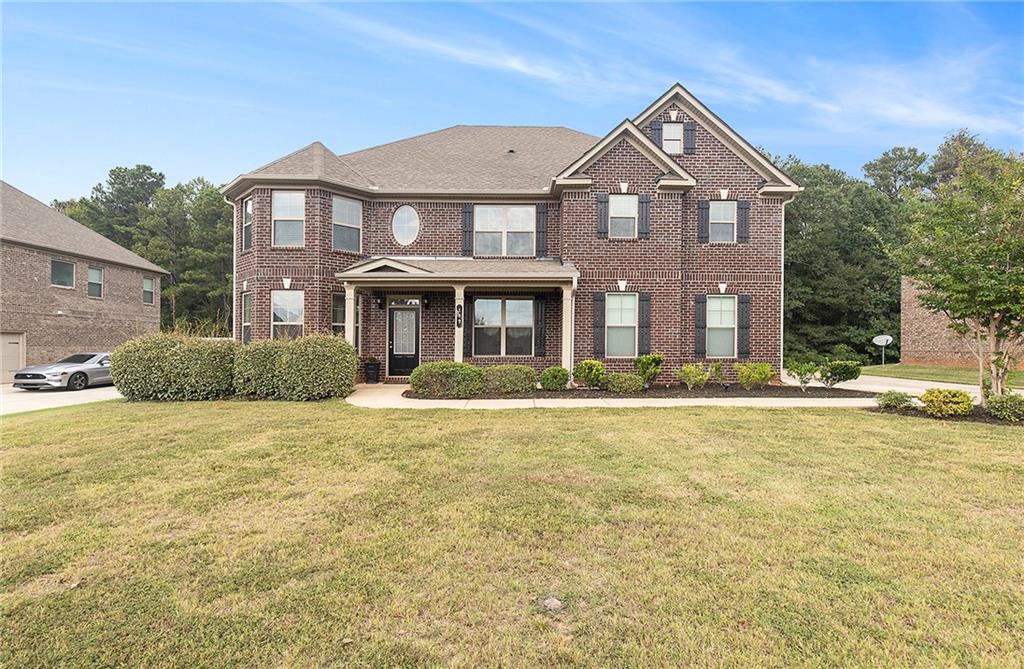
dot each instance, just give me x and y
(672, 391)
(977, 415)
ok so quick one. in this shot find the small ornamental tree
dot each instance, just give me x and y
(965, 254)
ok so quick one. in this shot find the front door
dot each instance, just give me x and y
(403, 340)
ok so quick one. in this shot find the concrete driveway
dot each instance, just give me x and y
(14, 400)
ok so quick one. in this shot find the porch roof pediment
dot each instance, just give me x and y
(413, 270)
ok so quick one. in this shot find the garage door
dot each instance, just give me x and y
(12, 355)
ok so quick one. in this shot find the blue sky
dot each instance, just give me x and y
(219, 89)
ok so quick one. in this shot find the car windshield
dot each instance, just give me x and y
(78, 358)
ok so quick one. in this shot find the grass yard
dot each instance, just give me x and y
(247, 534)
(929, 373)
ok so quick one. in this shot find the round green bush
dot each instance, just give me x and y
(256, 369)
(316, 367)
(202, 369)
(589, 373)
(447, 379)
(554, 378)
(1008, 407)
(895, 400)
(141, 367)
(510, 379)
(625, 383)
(943, 403)
(754, 374)
(836, 371)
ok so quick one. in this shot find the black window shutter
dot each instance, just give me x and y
(656, 132)
(743, 319)
(538, 327)
(703, 221)
(743, 222)
(644, 320)
(700, 321)
(467, 329)
(602, 215)
(598, 325)
(643, 223)
(542, 230)
(689, 137)
(467, 229)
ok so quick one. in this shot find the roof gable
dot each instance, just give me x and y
(777, 180)
(675, 175)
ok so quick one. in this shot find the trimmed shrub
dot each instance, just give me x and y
(802, 371)
(836, 371)
(625, 383)
(894, 399)
(648, 367)
(202, 369)
(590, 373)
(1008, 407)
(510, 379)
(693, 375)
(753, 374)
(256, 369)
(554, 378)
(141, 367)
(447, 379)
(716, 373)
(316, 367)
(944, 403)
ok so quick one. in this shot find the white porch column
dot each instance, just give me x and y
(567, 326)
(460, 320)
(350, 314)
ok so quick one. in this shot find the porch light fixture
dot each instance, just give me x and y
(622, 285)
(378, 300)
(425, 301)
(724, 193)
(722, 287)
(286, 282)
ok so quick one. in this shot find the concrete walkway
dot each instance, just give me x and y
(389, 396)
(879, 384)
(14, 400)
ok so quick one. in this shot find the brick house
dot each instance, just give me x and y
(535, 245)
(64, 288)
(925, 337)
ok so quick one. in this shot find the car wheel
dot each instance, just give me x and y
(78, 381)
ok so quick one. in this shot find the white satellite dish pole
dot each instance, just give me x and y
(883, 341)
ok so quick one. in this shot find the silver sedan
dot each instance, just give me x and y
(75, 372)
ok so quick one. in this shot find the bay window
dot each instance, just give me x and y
(289, 217)
(502, 327)
(338, 316)
(347, 222)
(246, 318)
(247, 224)
(287, 311)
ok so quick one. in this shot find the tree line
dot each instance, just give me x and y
(842, 279)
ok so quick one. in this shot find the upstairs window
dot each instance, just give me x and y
(622, 215)
(62, 273)
(620, 337)
(246, 318)
(94, 288)
(289, 217)
(148, 290)
(287, 311)
(508, 230)
(722, 221)
(405, 225)
(502, 327)
(247, 224)
(672, 138)
(347, 221)
(721, 326)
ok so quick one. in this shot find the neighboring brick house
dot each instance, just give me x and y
(64, 288)
(534, 245)
(925, 337)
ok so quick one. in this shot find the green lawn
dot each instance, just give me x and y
(248, 534)
(930, 373)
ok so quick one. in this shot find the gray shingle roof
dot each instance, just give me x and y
(26, 220)
(477, 159)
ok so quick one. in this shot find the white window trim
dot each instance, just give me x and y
(74, 274)
(735, 222)
(636, 217)
(735, 328)
(244, 323)
(503, 327)
(504, 230)
(274, 220)
(151, 292)
(335, 324)
(335, 225)
(636, 328)
(301, 323)
(681, 140)
(89, 281)
(245, 202)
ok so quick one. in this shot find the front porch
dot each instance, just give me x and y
(484, 312)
